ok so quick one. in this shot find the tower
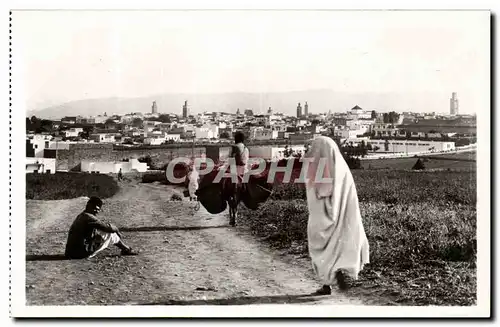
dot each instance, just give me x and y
(185, 110)
(238, 112)
(306, 109)
(299, 111)
(454, 104)
(270, 111)
(154, 108)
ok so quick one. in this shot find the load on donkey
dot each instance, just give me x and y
(218, 189)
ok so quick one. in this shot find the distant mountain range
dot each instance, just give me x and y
(320, 101)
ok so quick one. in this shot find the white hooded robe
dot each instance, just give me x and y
(336, 236)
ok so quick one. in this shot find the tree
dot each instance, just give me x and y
(33, 124)
(137, 122)
(374, 114)
(109, 122)
(391, 117)
(224, 135)
(363, 149)
(164, 118)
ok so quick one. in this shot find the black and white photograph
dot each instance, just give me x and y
(237, 163)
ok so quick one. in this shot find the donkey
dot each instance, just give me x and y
(232, 193)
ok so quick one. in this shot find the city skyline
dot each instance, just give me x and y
(93, 55)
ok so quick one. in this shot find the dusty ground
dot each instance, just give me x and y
(186, 257)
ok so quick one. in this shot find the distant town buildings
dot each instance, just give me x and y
(383, 132)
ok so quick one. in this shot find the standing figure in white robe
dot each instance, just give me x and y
(338, 246)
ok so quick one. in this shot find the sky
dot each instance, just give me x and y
(74, 55)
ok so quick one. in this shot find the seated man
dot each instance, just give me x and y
(89, 236)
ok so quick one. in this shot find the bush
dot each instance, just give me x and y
(176, 197)
(154, 176)
(61, 185)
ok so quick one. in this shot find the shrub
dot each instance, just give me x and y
(61, 185)
(176, 197)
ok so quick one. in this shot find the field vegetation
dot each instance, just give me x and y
(62, 185)
(421, 227)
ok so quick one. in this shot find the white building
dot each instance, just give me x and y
(384, 129)
(207, 132)
(272, 152)
(103, 138)
(411, 146)
(41, 165)
(38, 143)
(356, 140)
(261, 133)
(173, 137)
(113, 167)
(155, 140)
(417, 134)
(358, 113)
(347, 133)
(73, 132)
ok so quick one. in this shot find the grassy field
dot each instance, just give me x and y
(421, 227)
(69, 185)
(456, 161)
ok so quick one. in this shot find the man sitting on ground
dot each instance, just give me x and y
(89, 236)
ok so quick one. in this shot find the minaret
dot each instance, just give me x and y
(185, 110)
(270, 111)
(154, 108)
(454, 104)
(306, 109)
(299, 111)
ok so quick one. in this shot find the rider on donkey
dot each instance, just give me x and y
(240, 154)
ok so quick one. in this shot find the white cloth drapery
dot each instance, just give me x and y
(336, 236)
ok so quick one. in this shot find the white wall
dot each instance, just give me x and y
(48, 164)
(271, 153)
(174, 137)
(113, 167)
(154, 140)
(412, 146)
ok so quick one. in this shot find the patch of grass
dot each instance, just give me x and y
(444, 161)
(176, 197)
(421, 228)
(154, 176)
(61, 185)
(403, 187)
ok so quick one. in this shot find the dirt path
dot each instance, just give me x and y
(186, 257)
